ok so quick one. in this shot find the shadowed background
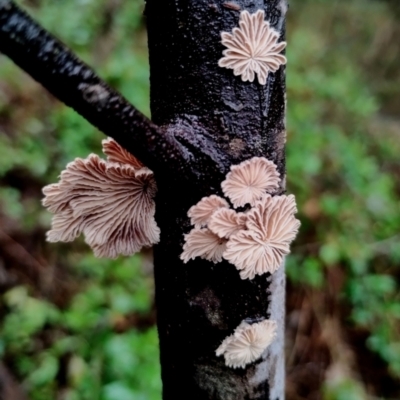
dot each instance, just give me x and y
(74, 327)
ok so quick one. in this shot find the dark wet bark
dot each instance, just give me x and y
(207, 119)
(206, 106)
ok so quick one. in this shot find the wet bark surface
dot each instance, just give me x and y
(221, 121)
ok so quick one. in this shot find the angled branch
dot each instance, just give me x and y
(70, 80)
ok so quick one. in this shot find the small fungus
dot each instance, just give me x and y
(225, 222)
(200, 213)
(248, 181)
(111, 202)
(247, 343)
(271, 227)
(253, 48)
(203, 243)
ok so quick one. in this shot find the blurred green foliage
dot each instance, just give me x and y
(344, 174)
(343, 167)
(84, 339)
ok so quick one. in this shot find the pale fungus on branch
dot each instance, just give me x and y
(200, 213)
(253, 48)
(271, 227)
(250, 180)
(203, 243)
(247, 343)
(110, 202)
(225, 222)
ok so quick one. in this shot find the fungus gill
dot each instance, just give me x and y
(110, 202)
(247, 343)
(252, 48)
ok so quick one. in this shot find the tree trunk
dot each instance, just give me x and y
(208, 109)
(205, 120)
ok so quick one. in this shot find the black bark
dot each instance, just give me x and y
(206, 106)
(207, 119)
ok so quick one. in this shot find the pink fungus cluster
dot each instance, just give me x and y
(254, 240)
